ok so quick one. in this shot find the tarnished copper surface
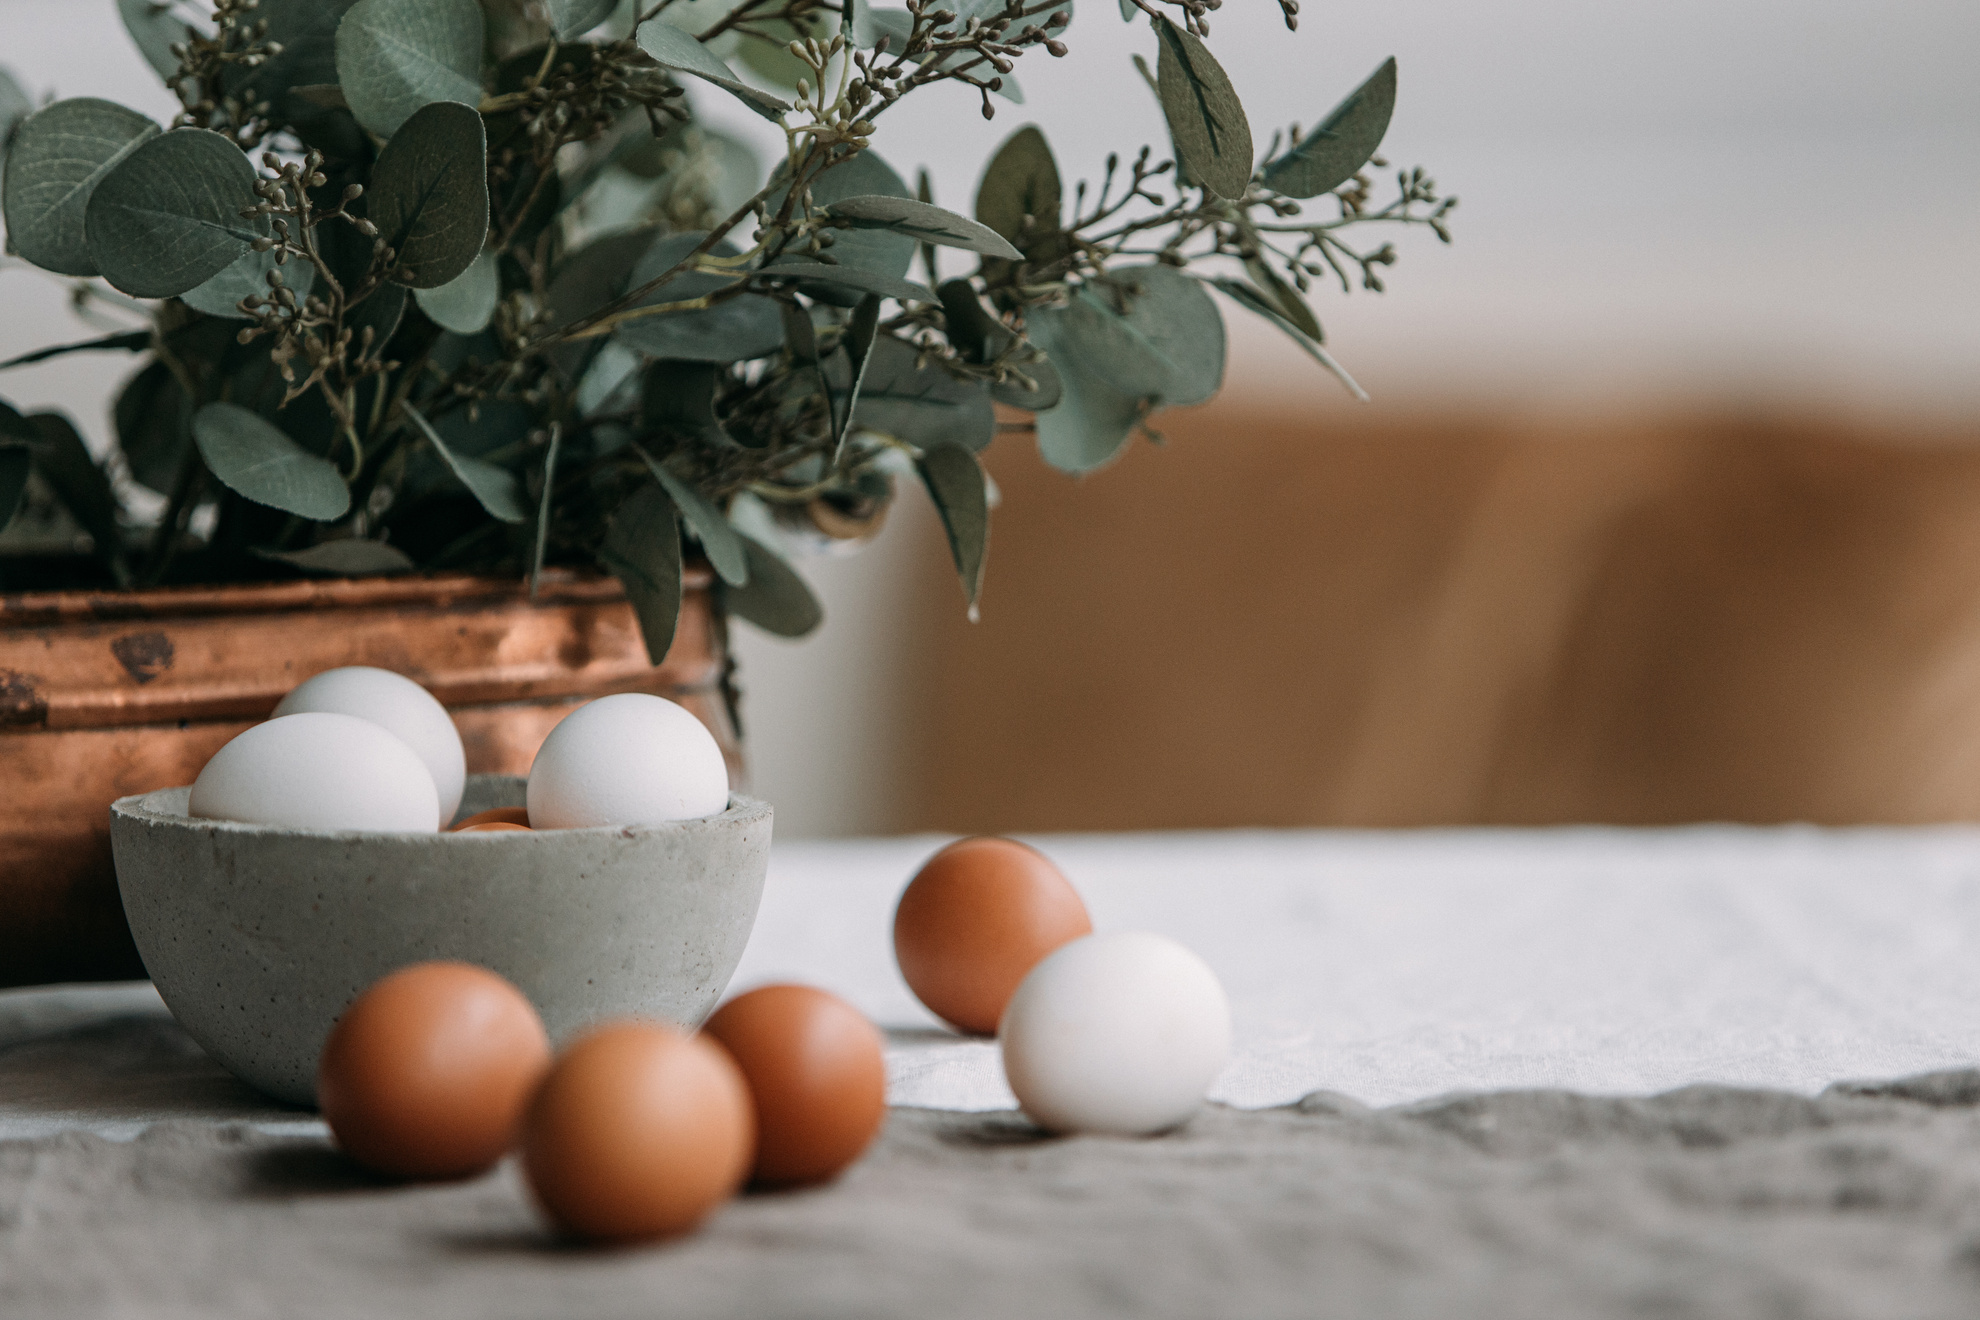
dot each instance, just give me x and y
(106, 694)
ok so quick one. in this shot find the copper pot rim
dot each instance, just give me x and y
(558, 586)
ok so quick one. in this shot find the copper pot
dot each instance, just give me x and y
(111, 693)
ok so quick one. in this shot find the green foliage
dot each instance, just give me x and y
(438, 285)
(256, 460)
(466, 303)
(571, 19)
(494, 488)
(735, 330)
(396, 56)
(167, 218)
(58, 157)
(1211, 133)
(721, 542)
(429, 193)
(153, 28)
(956, 483)
(929, 224)
(775, 598)
(346, 558)
(671, 48)
(245, 277)
(642, 549)
(1335, 151)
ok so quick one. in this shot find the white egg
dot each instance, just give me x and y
(1119, 1033)
(318, 771)
(628, 759)
(399, 706)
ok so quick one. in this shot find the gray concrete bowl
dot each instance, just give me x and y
(258, 937)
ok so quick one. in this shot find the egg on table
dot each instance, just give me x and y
(401, 707)
(978, 916)
(627, 759)
(1120, 1033)
(318, 771)
(818, 1074)
(427, 1073)
(638, 1131)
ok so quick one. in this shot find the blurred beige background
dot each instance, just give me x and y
(1663, 509)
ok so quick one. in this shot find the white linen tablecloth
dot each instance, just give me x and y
(1389, 966)
(1393, 966)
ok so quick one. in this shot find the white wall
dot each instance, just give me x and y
(1752, 198)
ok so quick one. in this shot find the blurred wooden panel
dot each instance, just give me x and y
(1375, 618)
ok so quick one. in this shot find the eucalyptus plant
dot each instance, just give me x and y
(450, 284)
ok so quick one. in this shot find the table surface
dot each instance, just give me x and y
(1396, 966)
(1380, 968)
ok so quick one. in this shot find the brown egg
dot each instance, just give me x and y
(817, 1070)
(490, 827)
(980, 914)
(638, 1132)
(427, 1073)
(516, 816)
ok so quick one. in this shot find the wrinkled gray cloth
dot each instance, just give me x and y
(1708, 1202)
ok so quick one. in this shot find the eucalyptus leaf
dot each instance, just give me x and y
(800, 335)
(585, 281)
(15, 460)
(1112, 378)
(736, 329)
(775, 598)
(1208, 124)
(956, 483)
(1254, 301)
(1180, 321)
(571, 19)
(255, 459)
(913, 401)
(719, 540)
(859, 26)
(395, 56)
(429, 193)
(858, 345)
(603, 381)
(153, 27)
(57, 158)
(247, 274)
(643, 550)
(496, 488)
(1285, 297)
(884, 253)
(150, 415)
(345, 558)
(1129, 11)
(675, 49)
(919, 220)
(168, 217)
(677, 400)
(851, 277)
(1020, 197)
(1335, 151)
(466, 303)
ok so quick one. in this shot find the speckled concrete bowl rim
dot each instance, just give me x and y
(138, 807)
